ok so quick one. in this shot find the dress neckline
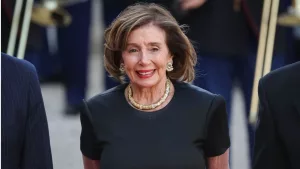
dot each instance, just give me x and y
(144, 114)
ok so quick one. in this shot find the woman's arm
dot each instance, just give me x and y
(89, 144)
(217, 143)
(90, 164)
(219, 162)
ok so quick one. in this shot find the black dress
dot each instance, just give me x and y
(192, 127)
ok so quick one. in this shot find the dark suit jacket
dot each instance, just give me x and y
(24, 130)
(277, 143)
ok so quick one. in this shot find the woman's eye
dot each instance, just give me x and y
(133, 50)
(154, 49)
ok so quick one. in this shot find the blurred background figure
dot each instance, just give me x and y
(74, 50)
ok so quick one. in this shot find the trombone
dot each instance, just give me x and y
(48, 13)
(266, 44)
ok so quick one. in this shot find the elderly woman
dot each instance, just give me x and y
(157, 120)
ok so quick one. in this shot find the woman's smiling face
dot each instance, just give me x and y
(146, 56)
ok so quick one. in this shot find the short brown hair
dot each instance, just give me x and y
(140, 14)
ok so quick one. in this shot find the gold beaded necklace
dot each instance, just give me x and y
(151, 106)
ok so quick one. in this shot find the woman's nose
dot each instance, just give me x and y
(144, 58)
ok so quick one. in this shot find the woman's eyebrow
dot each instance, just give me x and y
(150, 44)
(154, 43)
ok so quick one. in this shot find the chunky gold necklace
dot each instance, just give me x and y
(151, 106)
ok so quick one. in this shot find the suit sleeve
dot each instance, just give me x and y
(36, 149)
(268, 147)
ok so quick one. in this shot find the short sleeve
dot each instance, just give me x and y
(89, 144)
(218, 139)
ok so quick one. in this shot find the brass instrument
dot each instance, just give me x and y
(52, 13)
(292, 17)
(266, 43)
(48, 13)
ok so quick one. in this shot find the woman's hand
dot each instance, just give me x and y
(219, 162)
(90, 164)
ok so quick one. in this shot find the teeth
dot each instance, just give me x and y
(145, 73)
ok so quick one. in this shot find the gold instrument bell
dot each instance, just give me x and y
(292, 17)
(50, 13)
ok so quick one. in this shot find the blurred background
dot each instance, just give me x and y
(69, 61)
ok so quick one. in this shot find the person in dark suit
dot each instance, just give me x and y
(277, 142)
(25, 140)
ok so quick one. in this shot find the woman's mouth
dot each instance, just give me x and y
(145, 73)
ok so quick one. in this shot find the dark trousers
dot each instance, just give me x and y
(73, 42)
(71, 61)
(218, 74)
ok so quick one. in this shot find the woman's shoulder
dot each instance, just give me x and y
(107, 98)
(197, 94)
(99, 108)
(192, 90)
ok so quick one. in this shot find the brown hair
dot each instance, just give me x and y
(140, 14)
